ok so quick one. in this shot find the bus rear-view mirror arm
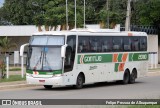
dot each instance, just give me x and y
(21, 54)
(22, 49)
(63, 50)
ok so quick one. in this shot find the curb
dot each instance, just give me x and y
(153, 73)
(16, 86)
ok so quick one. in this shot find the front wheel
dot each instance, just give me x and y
(79, 83)
(47, 86)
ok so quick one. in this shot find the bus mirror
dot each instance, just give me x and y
(63, 50)
(22, 49)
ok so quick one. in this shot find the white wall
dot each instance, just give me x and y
(153, 48)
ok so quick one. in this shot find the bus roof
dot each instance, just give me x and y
(93, 32)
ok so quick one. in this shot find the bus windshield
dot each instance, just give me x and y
(45, 58)
(44, 53)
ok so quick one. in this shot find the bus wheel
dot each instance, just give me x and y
(80, 81)
(47, 86)
(133, 76)
(126, 77)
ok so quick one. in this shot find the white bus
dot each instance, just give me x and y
(80, 57)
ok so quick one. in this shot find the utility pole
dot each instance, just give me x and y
(107, 3)
(128, 17)
(84, 13)
(66, 14)
(75, 14)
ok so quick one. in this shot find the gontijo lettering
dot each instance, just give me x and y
(92, 58)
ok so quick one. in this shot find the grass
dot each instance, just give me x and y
(13, 78)
(15, 69)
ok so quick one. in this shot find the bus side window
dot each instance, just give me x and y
(135, 44)
(83, 44)
(107, 44)
(127, 43)
(117, 44)
(143, 43)
(70, 53)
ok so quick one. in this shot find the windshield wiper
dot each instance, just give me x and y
(39, 61)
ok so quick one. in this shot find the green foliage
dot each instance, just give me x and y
(15, 69)
(17, 12)
(2, 69)
(53, 12)
(57, 15)
(6, 44)
(149, 13)
(13, 78)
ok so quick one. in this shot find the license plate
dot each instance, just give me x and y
(42, 81)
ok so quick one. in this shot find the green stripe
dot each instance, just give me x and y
(105, 58)
(130, 56)
(46, 73)
(139, 57)
(29, 71)
(116, 67)
(79, 59)
(120, 58)
(100, 58)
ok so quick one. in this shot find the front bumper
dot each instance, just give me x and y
(55, 80)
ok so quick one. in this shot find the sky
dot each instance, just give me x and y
(1, 2)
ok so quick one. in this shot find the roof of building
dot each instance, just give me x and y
(20, 30)
(28, 30)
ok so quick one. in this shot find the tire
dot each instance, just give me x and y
(126, 77)
(79, 82)
(47, 86)
(133, 77)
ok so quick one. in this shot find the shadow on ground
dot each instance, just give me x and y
(88, 86)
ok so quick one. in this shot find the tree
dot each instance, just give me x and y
(52, 12)
(56, 13)
(5, 46)
(17, 12)
(149, 13)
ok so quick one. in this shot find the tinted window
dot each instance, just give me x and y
(70, 53)
(135, 43)
(127, 43)
(143, 43)
(95, 44)
(91, 44)
(117, 44)
(83, 44)
(106, 44)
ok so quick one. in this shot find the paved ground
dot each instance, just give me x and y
(146, 88)
(22, 84)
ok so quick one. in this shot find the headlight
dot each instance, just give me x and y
(57, 75)
(29, 75)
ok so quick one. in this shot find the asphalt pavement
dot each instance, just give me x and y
(22, 84)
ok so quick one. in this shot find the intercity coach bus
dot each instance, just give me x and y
(78, 57)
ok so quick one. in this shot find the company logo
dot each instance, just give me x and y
(92, 58)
